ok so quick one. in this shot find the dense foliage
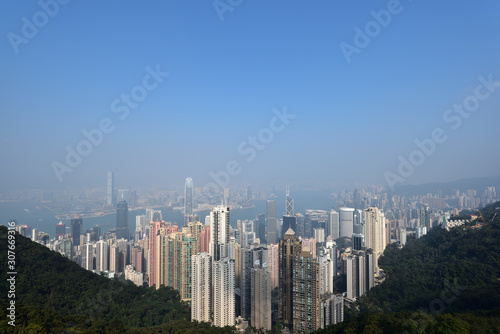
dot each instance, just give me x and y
(54, 294)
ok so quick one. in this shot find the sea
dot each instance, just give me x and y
(38, 215)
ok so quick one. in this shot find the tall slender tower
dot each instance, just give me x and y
(201, 273)
(290, 248)
(122, 220)
(219, 230)
(110, 194)
(188, 198)
(223, 294)
(289, 203)
(272, 222)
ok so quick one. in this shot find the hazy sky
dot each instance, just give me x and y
(360, 100)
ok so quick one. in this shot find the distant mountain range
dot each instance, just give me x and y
(446, 188)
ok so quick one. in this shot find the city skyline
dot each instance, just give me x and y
(307, 81)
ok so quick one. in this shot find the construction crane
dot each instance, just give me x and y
(484, 220)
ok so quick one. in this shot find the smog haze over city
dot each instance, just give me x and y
(178, 89)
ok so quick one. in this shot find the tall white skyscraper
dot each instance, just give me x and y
(219, 230)
(188, 197)
(223, 294)
(110, 191)
(346, 222)
(88, 256)
(333, 228)
(102, 254)
(201, 286)
(375, 230)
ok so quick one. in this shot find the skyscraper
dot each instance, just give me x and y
(102, 255)
(346, 222)
(110, 193)
(60, 229)
(375, 230)
(223, 294)
(122, 220)
(305, 294)
(290, 248)
(201, 274)
(272, 222)
(289, 203)
(188, 199)
(332, 310)
(76, 229)
(219, 230)
(261, 298)
(332, 227)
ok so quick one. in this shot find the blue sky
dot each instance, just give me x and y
(353, 120)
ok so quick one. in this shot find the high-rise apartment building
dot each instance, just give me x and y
(332, 310)
(375, 233)
(219, 230)
(223, 293)
(201, 300)
(101, 256)
(261, 298)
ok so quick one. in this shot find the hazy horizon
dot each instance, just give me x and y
(267, 93)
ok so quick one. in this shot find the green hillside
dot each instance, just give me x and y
(54, 294)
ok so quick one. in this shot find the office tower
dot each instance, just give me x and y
(332, 310)
(375, 230)
(60, 229)
(332, 227)
(122, 220)
(357, 241)
(300, 223)
(356, 199)
(290, 248)
(201, 275)
(272, 222)
(88, 256)
(261, 298)
(273, 263)
(110, 193)
(219, 230)
(259, 227)
(223, 293)
(288, 222)
(288, 204)
(346, 216)
(76, 229)
(102, 254)
(133, 199)
(305, 294)
(123, 195)
(188, 198)
(319, 235)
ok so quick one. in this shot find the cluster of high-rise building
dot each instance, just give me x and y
(228, 273)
